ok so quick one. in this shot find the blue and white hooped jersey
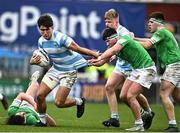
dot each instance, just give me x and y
(122, 31)
(63, 59)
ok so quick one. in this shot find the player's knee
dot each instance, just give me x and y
(109, 88)
(130, 97)
(59, 103)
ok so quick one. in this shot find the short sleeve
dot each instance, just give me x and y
(156, 38)
(123, 41)
(122, 31)
(64, 40)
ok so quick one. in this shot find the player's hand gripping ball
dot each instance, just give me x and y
(44, 61)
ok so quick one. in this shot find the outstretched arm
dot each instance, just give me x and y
(23, 96)
(145, 42)
(106, 55)
(75, 47)
(99, 63)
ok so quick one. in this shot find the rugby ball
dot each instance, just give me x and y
(44, 58)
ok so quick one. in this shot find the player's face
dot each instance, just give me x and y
(111, 42)
(111, 23)
(46, 32)
(152, 27)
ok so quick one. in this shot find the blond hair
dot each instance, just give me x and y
(111, 14)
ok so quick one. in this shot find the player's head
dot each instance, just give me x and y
(16, 120)
(156, 19)
(45, 25)
(110, 36)
(111, 18)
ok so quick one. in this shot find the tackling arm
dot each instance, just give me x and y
(111, 51)
(104, 57)
(145, 42)
(75, 47)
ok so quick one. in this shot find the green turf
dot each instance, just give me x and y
(91, 121)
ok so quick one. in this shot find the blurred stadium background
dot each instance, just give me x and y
(83, 21)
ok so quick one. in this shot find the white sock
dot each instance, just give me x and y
(115, 115)
(43, 117)
(1, 96)
(78, 101)
(172, 122)
(139, 122)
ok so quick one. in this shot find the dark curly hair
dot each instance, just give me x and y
(45, 20)
(15, 120)
(157, 15)
(107, 32)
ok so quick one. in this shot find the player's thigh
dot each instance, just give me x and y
(44, 90)
(170, 78)
(134, 90)
(66, 83)
(125, 88)
(166, 88)
(115, 80)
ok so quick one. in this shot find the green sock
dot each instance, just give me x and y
(172, 125)
(142, 111)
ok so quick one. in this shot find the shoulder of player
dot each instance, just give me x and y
(124, 39)
(163, 33)
(121, 27)
(40, 39)
(59, 35)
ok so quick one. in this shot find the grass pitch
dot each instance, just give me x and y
(91, 120)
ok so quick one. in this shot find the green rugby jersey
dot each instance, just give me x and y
(134, 53)
(32, 117)
(167, 48)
